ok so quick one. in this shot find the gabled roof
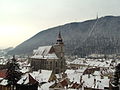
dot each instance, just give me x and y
(27, 79)
(76, 85)
(35, 77)
(49, 56)
(42, 75)
(32, 80)
(44, 50)
(3, 82)
(64, 82)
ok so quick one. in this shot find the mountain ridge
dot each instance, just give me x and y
(75, 36)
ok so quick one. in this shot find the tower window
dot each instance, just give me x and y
(56, 64)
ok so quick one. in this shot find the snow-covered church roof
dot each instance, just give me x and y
(44, 52)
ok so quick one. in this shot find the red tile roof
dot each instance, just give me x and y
(32, 80)
(3, 73)
(75, 85)
(64, 83)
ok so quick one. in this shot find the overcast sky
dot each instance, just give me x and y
(21, 19)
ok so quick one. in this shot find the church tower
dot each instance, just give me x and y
(59, 50)
(59, 46)
(59, 39)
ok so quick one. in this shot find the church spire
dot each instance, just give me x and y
(59, 39)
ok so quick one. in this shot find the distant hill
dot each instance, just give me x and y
(5, 51)
(81, 38)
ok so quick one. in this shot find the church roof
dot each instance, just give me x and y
(44, 52)
(48, 56)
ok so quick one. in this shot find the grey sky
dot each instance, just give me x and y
(21, 19)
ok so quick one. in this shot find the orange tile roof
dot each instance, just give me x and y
(3, 73)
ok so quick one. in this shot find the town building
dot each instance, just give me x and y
(50, 57)
(4, 82)
(3, 63)
(27, 83)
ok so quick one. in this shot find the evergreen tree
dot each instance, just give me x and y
(117, 75)
(13, 72)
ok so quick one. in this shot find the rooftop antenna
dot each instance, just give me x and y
(97, 16)
(92, 29)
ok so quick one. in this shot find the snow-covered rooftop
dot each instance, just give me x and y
(92, 62)
(73, 75)
(48, 56)
(39, 76)
(100, 83)
(3, 82)
(44, 50)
